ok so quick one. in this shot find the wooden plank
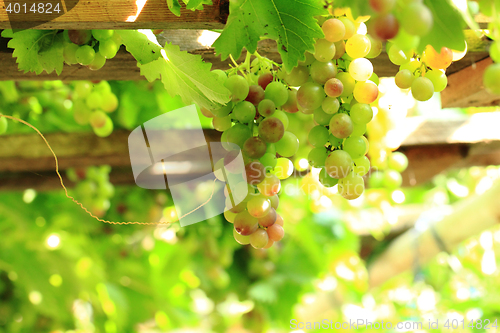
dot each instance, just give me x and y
(117, 14)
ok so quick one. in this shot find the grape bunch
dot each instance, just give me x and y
(336, 84)
(93, 188)
(390, 177)
(91, 104)
(90, 47)
(255, 121)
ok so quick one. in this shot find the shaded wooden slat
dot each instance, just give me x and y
(117, 14)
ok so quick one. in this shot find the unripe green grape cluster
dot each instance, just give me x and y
(90, 48)
(336, 85)
(93, 188)
(390, 177)
(256, 121)
(91, 105)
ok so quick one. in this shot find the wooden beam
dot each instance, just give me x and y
(116, 14)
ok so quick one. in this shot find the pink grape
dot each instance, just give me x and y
(245, 224)
(310, 95)
(254, 147)
(271, 129)
(341, 125)
(334, 87)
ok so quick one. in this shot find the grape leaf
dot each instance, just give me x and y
(174, 7)
(26, 45)
(194, 4)
(447, 28)
(290, 22)
(188, 76)
(139, 45)
(51, 56)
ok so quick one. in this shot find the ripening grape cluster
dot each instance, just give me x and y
(336, 84)
(90, 47)
(255, 121)
(93, 188)
(91, 105)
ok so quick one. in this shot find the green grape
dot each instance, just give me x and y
(358, 46)
(259, 239)
(341, 125)
(238, 87)
(3, 125)
(330, 105)
(269, 161)
(238, 208)
(334, 87)
(288, 145)
(105, 130)
(83, 88)
(416, 19)
(338, 164)
(254, 147)
(365, 92)
(334, 141)
(283, 117)
(317, 157)
(276, 232)
(422, 89)
(375, 49)
(266, 108)
(271, 129)
(361, 69)
(222, 111)
(310, 95)
(339, 49)
(404, 78)
(367, 144)
(309, 59)
(324, 50)
(244, 112)
(276, 92)
(98, 119)
(271, 148)
(229, 216)
(101, 35)
(269, 186)
(397, 161)
(352, 186)
(333, 29)
(103, 87)
(347, 82)
(85, 55)
(412, 66)
(321, 117)
(298, 76)
(221, 75)
(94, 100)
(108, 48)
(361, 165)
(376, 180)
(283, 169)
(318, 136)
(392, 179)
(398, 56)
(438, 79)
(81, 112)
(98, 62)
(358, 129)
(243, 240)
(350, 28)
(275, 201)
(361, 113)
(238, 134)
(491, 79)
(222, 124)
(258, 206)
(269, 219)
(245, 224)
(109, 102)
(69, 53)
(355, 146)
(326, 180)
(323, 71)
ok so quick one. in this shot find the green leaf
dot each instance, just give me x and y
(463, 8)
(51, 57)
(26, 45)
(188, 76)
(174, 7)
(290, 22)
(447, 28)
(141, 45)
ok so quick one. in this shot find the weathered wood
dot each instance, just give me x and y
(118, 14)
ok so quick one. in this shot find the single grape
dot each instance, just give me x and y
(382, 6)
(321, 117)
(283, 168)
(276, 92)
(105, 130)
(397, 161)
(230, 216)
(374, 78)
(238, 87)
(361, 69)
(317, 157)
(355, 146)
(94, 100)
(338, 164)
(222, 124)
(491, 79)
(298, 76)
(323, 71)
(276, 232)
(339, 49)
(255, 172)
(255, 94)
(265, 79)
(269, 219)
(79, 37)
(279, 220)
(406, 41)
(269, 186)
(376, 180)
(422, 89)
(271, 129)
(341, 125)
(361, 113)
(347, 82)
(438, 79)
(288, 145)
(109, 102)
(108, 48)
(85, 55)
(392, 179)
(334, 87)
(101, 35)
(358, 46)
(416, 19)
(333, 29)
(221, 75)
(266, 108)
(398, 56)
(404, 78)
(254, 147)
(361, 165)
(83, 88)
(310, 95)
(98, 62)
(326, 180)
(245, 224)
(243, 240)
(259, 239)
(375, 49)
(309, 59)
(365, 92)
(222, 111)
(324, 50)
(318, 136)
(352, 186)
(275, 201)
(358, 129)
(69, 53)
(259, 206)
(330, 105)
(238, 134)
(244, 112)
(268, 161)
(385, 26)
(291, 105)
(81, 113)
